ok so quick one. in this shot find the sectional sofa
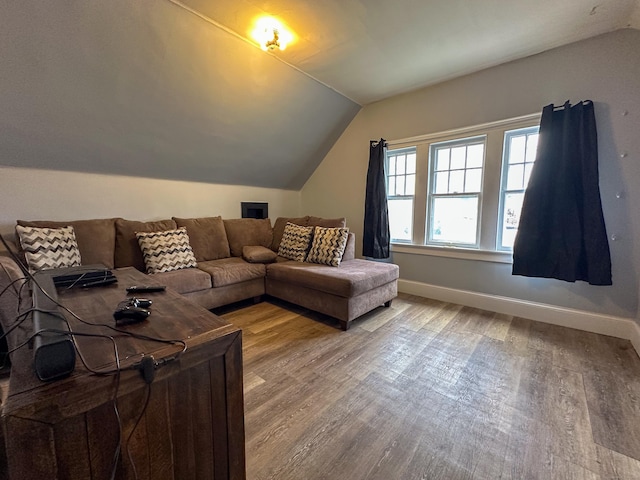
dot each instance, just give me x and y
(237, 260)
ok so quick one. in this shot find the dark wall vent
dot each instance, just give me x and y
(255, 210)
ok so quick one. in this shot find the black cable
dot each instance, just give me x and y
(28, 275)
(18, 322)
(12, 284)
(138, 336)
(144, 409)
(115, 372)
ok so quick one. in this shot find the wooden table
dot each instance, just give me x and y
(192, 427)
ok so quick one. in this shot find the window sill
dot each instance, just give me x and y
(453, 252)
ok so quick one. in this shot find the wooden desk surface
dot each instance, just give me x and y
(47, 415)
(172, 317)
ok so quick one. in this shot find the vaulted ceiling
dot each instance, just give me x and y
(176, 89)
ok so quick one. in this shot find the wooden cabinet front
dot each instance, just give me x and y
(190, 427)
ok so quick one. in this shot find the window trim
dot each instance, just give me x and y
(432, 196)
(396, 152)
(504, 174)
(487, 220)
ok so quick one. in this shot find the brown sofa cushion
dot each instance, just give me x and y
(228, 271)
(183, 281)
(278, 229)
(128, 253)
(207, 236)
(348, 280)
(350, 249)
(258, 254)
(247, 231)
(327, 222)
(96, 238)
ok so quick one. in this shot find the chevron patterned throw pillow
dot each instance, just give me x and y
(46, 248)
(328, 245)
(295, 242)
(166, 251)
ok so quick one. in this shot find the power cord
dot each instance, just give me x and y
(147, 365)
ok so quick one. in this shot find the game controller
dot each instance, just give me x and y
(132, 310)
(139, 302)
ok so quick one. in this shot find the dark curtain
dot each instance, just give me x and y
(561, 233)
(376, 238)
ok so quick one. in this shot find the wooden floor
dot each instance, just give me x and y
(430, 390)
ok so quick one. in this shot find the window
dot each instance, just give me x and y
(455, 184)
(401, 184)
(459, 193)
(519, 154)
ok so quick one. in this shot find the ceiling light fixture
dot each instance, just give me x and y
(270, 34)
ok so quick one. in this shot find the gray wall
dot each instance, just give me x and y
(146, 88)
(605, 69)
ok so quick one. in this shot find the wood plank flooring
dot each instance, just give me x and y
(430, 390)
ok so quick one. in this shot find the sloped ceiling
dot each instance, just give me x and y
(372, 49)
(175, 89)
(145, 88)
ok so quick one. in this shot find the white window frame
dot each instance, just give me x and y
(432, 196)
(504, 190)
(486, 250)
(395, 153)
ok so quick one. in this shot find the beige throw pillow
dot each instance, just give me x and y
(46, 248)
(295, 242)
(328, 245)
(166, 251)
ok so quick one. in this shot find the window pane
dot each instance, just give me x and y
(411, 163)
(532, 145)
(511, 215)
(475, 154)
(400, 219)
(516, 149)
(515, 177)
(400, 164)
(474, 180)
(456, 181)
(411, 185)
(392, 186)
(455, 220)
(458, 155)
(400, 185)
(392, 166)
(442, 182)
(527, 173)
(442, 162)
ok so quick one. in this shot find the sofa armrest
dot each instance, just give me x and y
(350, 249)
(16, 297)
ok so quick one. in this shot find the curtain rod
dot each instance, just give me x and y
(567, 104)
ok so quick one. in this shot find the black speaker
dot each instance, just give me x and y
(54, 354)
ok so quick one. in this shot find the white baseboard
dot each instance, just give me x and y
(620, 327)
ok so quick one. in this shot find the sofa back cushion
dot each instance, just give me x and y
(96, 238)
(247, 231)
(128, 253)
(207, 236)
(350, 248)
(279, 226)
(327, 222)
